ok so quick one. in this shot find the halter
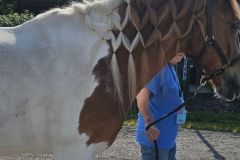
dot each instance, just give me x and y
(209, 41)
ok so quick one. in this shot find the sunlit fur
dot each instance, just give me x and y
(236, 8)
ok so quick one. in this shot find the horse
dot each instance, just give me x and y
(68, 76)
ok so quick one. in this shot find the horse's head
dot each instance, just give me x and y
(215, 46)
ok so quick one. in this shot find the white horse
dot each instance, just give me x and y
(68, 76)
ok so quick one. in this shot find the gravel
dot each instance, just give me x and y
(191, 145)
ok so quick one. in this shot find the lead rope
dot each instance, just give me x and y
(202, 84)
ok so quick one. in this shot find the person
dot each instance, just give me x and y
(160, 96)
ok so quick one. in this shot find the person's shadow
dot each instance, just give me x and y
(217, 155)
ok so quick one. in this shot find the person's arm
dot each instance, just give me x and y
(143, 101)
(143, 105)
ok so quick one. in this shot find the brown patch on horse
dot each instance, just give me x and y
(100, 118)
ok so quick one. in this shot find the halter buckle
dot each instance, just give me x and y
(203, 80)
(209, 39)
(225, 66)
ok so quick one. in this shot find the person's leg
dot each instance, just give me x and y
(172, 153)
(164, 154)
(147, 153)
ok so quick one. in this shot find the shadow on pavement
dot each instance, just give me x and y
(217, 155)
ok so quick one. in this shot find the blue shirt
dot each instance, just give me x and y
(165, 96)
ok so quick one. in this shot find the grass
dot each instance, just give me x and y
(224, 122)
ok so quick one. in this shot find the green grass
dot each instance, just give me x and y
(224, 122)
(130, 122)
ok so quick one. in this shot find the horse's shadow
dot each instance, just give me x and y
(217, 155)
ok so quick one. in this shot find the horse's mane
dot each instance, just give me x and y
(157, 19)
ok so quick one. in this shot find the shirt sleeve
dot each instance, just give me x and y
(155, 84)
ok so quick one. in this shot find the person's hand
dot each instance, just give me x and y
(152, 133)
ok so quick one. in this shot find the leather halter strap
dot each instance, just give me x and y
(209, 41)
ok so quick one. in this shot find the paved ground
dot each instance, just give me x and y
(191, 145)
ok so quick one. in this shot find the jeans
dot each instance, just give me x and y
(163, 154)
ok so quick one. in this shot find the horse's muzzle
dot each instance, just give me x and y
(230, 89)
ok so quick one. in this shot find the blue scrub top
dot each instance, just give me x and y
(165, 96)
